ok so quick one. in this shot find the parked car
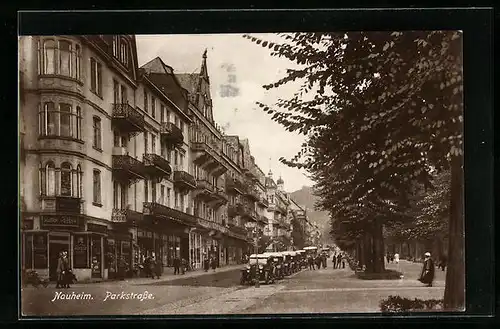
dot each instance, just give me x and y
(260, 267)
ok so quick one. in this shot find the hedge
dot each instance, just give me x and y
(400, 304)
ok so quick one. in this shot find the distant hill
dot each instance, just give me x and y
(305, 197)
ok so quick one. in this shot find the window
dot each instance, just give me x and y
(78, 60)
(146, 142)
(146, 191)
(162, 194)
(182, 127)
(162, 113)
(120, 195)
(97, 133)
(65, 58)
(124, 52)
(168, 197)
(153, 106)
(66, 179)
(115, 47)
(124, 96)
(59, 120)
(153, 191)
(65, 119)
(49, 57)
(181, 160)
(145, 102)
(116, 92)
(176, 199)
(95, 77)
(97, 186)
(167, 119)
(176, 155)
(79, 179)
(153, 144)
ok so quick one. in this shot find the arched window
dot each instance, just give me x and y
(66, 179)
(115, 46)
(50, 178)
(42, 184)
(65, 58)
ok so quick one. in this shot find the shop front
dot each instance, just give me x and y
(44, 238)
(119, 254)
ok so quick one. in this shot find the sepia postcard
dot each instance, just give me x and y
(259, 173)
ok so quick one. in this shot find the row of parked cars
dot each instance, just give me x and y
(271, 266)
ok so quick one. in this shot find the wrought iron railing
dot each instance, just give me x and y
(126, 162)
(151, 159)
(129, 113)
(203, 184)
(183, 176)
(170, 130)
(156, 209)
(125, 215)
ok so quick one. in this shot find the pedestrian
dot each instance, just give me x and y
(324, 260)
(427, 275)
(176, 265)
(388, 257)
(339, 259)
(310, 261)
(122, 267)
(396, 258)
(60, 282)
(158, 268)
(183, 265)
(442, 262)
(343, 262)
(334, 260)
(206, 264)
(213, 263)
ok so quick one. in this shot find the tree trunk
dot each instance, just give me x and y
(454, 293)
(378, 247)
(368, 252)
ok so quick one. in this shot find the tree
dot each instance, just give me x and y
(298, 233)
(379, 111)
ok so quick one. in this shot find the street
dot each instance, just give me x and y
(320, 291)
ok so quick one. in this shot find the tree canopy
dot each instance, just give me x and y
(381, 111)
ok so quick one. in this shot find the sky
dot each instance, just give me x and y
(238, 115)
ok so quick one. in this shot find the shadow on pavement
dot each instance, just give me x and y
(212, 279)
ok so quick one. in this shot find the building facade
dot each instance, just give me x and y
(120, 162)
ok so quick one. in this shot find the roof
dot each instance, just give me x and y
(189, 81)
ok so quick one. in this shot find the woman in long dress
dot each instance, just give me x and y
(427, 275)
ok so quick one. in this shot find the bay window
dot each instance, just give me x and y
(63, 181)
(60, 57)
(59, 119)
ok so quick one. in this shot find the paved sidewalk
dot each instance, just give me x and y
(170, 276)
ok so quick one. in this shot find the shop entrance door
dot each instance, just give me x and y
(96, 264)
(57, 244)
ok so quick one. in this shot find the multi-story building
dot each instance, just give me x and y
(209, 198)
(76, 91)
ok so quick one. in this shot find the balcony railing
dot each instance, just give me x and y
(127, 119)
(159, 210)
(157, 165)
(234, 210)
(63, 204)
(263, 219)
(249, 213)
(233, 184)
(170, 133)
(252, 193)
(128, 167)
(125, 216)
(183, 179)
(203, 184)
(238, 230)
(221, 194)
(211, 225)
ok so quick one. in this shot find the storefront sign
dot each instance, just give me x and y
(68, 205)
(66, 221)
(97, 228)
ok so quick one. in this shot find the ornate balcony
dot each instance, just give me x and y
(238, 232)
(158, 210)
(249, 214)
(235, 210)
(204, 190)
(156, 165)
(263, 220)
(234, 185)
(207, 158)
(184, 180)
(126, 216)
(252, 193)
(61, 204)
(220, 198)
(126, 167)
(127, 119)
(171, 134)
(250, 175)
